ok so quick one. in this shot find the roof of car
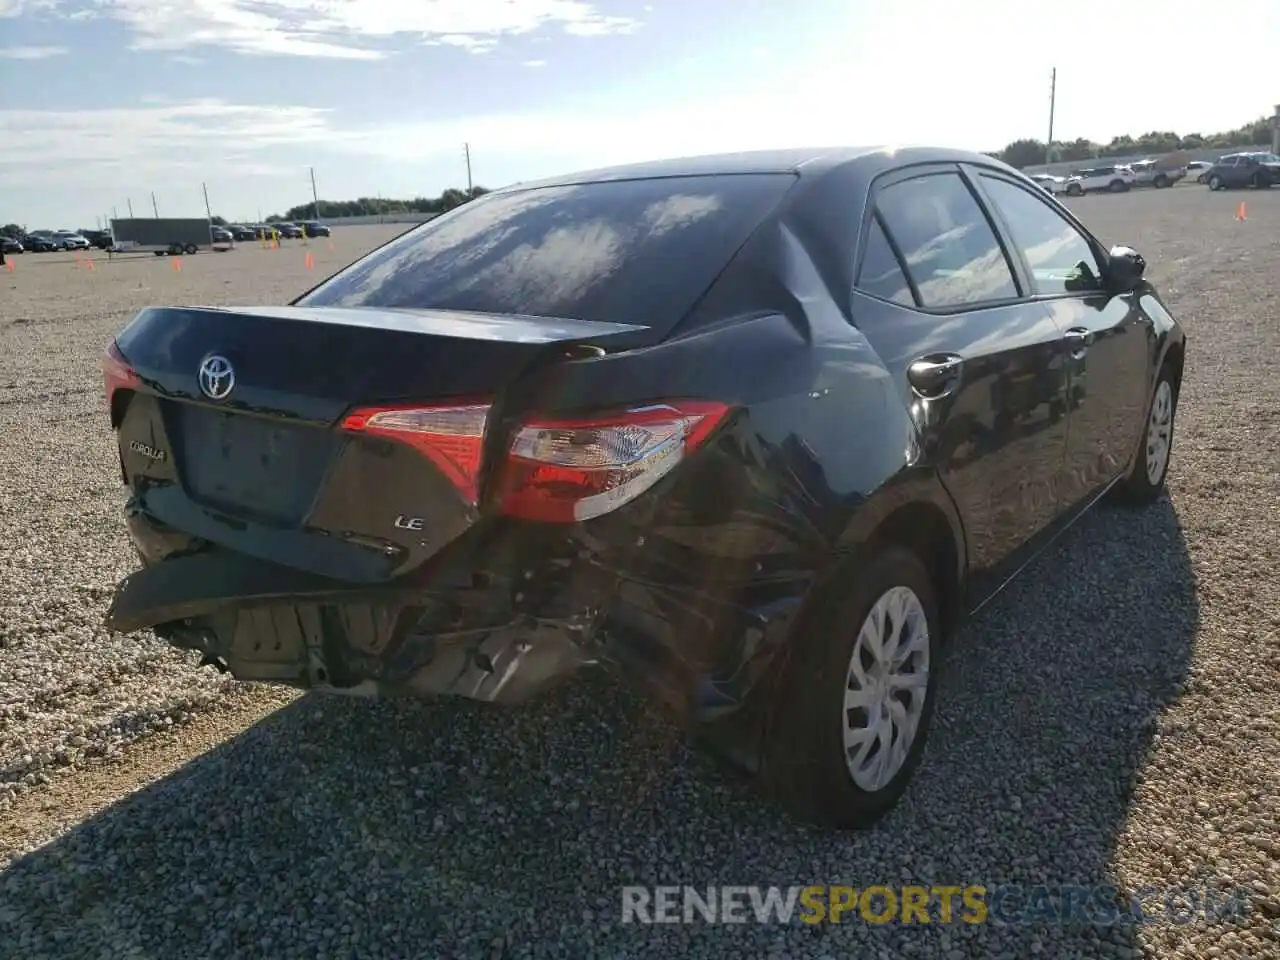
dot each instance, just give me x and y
(803, 161)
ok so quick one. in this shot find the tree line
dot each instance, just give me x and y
(379, 206)
(1029, 153)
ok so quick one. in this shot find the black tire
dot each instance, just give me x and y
(190, 249)
(1216, 183)
(805, 769)
(160, 253)
(1161, 181)
(1117, 186)
(1141, 486)
(1074, 190)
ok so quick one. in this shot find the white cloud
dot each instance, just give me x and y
(533, 63)
(17, 8)
(345, 29)
(32, 53)
(48, 146)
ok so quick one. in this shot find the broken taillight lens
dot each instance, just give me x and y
(116, 374)
(451, 437)
(561, 471)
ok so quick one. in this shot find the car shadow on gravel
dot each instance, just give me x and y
(354, 828)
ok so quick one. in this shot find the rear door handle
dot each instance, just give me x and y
(1078, 340)
(936, 375)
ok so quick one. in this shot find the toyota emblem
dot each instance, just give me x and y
(217, 377)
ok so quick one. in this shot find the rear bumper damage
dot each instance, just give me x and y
(477, 635)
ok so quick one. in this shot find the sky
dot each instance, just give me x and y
(103, 102)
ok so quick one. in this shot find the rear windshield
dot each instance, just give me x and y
(635, 251)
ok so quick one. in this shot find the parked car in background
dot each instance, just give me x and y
(1199, 169)
(1113, 179)
(241, 233)
(1050, 183)
(765, 486)
(221, 235)
(1156, 173)
(290, 231)
(1257, 169)
(10, 245)
(314, 228)
(70, 240)
(101, 239)
(41, 241)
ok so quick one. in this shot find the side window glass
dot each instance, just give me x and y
(950, 250)
(1060, 258)
(881, 274)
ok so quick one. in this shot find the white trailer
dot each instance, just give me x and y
(162, 235)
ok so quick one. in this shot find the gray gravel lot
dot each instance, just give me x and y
(1113, 719)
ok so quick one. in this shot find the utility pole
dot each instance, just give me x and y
(205, 189)
(154, 208)
(130, 203)
(466, 149)
(314, 198)
(1053, 96)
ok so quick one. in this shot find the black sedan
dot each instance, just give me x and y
(1261, 170)
(313, 228)
(10, 245)
(41, 243)
(756, 431)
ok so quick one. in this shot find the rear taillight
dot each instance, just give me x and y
(451, 437)
(116, 374)
(561, 471)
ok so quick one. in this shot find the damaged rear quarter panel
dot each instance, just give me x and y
(714, 564)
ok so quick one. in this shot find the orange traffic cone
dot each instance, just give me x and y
(8, 265)
(1240, 213)
(310, 261)
(177, 264)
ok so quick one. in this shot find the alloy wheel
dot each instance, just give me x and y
(885, 689)
(1159, 433)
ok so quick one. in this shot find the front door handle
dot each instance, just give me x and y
(1078, 340)
(935, 376)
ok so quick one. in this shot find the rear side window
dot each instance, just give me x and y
(881, 274)
(637, 251)
(951, 252)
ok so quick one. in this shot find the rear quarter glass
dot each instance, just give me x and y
(627, 251)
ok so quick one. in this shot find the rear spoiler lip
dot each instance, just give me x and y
(204, 583)
(453, 324)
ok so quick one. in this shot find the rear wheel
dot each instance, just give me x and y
(1118, 186)
(853, 708)
(1074, 190)
(1215, 182)
(1161, 181)
(1146, 480)
(190, 249)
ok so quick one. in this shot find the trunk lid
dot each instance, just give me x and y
(255, 455)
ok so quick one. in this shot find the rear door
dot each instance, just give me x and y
(1108, 341)
(978, 362)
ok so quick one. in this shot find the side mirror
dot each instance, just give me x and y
(1125, 267)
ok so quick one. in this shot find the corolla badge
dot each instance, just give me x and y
(217, 377)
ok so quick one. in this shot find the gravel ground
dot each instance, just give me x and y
(1112, 719)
